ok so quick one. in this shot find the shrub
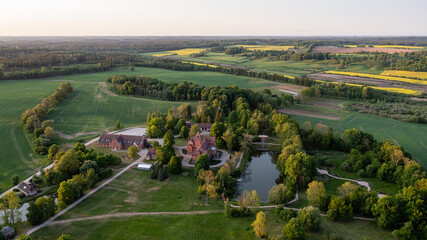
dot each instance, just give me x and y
(345, 166)
(294, 230)
(339, 210)
(310, 218)
(277, 194)
(361, 173)
(41, 150)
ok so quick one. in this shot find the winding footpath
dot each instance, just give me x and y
(361, 183)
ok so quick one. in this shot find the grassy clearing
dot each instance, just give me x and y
(339, 157)
(207, 226)
(411, 136)
(135, 191)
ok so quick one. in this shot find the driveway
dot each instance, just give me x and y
(187, 157)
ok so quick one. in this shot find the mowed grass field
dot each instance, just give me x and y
(135, 191)
(206, 226)
(16, 156)
(413, 137)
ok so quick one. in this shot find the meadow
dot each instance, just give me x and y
(16, 155)
(411, 136)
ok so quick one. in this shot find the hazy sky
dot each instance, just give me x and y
(216, 17)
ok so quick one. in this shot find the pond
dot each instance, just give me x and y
(260, 174)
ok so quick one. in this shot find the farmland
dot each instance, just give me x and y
(380, 83)
(344, 50)
(398, 79)
(405, 74)
(89, 110)
(265, 47)
(396, 90)
(16, 155)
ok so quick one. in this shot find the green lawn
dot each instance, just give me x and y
(135, 191)
(413, 137)
(207, 226)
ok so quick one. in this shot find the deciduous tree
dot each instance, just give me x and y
(315, 193)
(260, 225)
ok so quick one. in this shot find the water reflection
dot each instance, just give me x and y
(260, 174)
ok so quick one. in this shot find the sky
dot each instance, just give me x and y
(213, 18)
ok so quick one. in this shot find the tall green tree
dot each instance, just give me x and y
(133, 152)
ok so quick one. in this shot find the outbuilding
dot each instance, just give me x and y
(144, 166)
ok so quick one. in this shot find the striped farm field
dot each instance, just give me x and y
(389, 46)
(382, 77)
(266, 47)
(200, 64)
(188, 51)
(185, 51)
(405, 74)
(395, 90)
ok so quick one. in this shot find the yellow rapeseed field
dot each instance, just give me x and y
(201, 64)
(161, 55)
(388, 46)
(399, 79)
(188, 51)
(288, 76)
(265, 47)
(396, 90)
(408, 74)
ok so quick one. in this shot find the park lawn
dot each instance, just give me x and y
(411, 136)
(339, 157)
(16, 155)
(206, 226)
(135, 191)
(180, 142)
